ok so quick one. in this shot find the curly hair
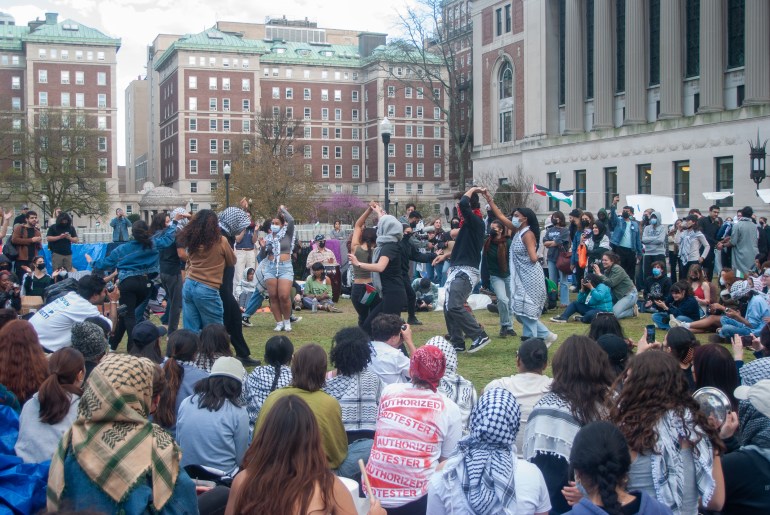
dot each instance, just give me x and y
(582, 376)
(23, 365)
(202, 232)
(653, 386)
(350, 352)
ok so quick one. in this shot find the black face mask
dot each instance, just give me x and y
(626, 215)
(646, 219)
(413, 225)
(41, 266)
(584, 223)
(322, 244)
(407, 235)
(455, 225)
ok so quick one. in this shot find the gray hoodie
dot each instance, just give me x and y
(655, 237)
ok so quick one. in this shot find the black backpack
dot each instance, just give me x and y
(60, 289)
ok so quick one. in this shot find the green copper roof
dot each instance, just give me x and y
(287, 52)
(213, 40)
(11, 36)
(70, 32)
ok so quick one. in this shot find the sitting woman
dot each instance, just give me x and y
(36, 280)
(10, 293)
(213, 427)
(656, 287)
(358, 391)
(601, 461)
(581, 387)
(453, 385)
(713, 320)
(624, 293)
(53, 409)
(594, 297)
(713, 365)
(680, 304)
(285, 470)
(114, 459)
(308, 369)
(214, 344)
(23, 364)
(486, 477)
(274, 374)
(318, 290)
(674, 450)
(701, 287)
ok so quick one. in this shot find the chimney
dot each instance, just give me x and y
(33, 25)
(51, 18)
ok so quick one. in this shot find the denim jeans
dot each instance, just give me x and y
(358, 450)
(624, 307)
(732, 327)
(502, 289)
(586, 312)
(444, 271)
(660, 320)
(553, 274)
(532, 327)
(201, 305)
(255, 302)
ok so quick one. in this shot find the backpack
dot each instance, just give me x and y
(552, 290)
(582, 252)
(9, 249)
(60, 289)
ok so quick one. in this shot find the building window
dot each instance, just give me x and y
(337, 133)
(212, 83)
(193, 166)
(15, 82)
(42, 98)
(654, 37)
(391, 150)
(580, 189)
(193, 124)
(354, 96)
(338, 114)
(391, 91)
(65, 99)
(356, 172)
(724, 179)
(324, 94)
(212, 104)
(80, 78)
(246, 105)
(499, 22)
(225, 146)
(736, 22)
(408, 169)
(225, 104)
(391, 169)
(289, 93)
(337, 95)
(589, 23)
(692, 38)
(436, 169)
(193, 145)
(505, 103)
(610, 184)
(213, 146)
(307, 94)
(338, 171)
(245, 84)
(324, 132)
(101, 100)
(436, 150)
(102, 144)
(682, 184)
(213, 167)
(65, 77)
(337, 152)
(213, 125)
(42, 76)
(408, 150)
(644, 179)
(225, 87)
(102, 165)
(192, 103)
(324, 171)
(420, 169)
(193, 187)
(324, 152)
(508, 26)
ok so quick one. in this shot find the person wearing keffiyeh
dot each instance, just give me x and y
(452, 384)
(486, 477)
(113, 459)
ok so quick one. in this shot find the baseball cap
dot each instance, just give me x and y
(229, 367)
(758, 395)
(24, 206)
(319, 237)
(147, 332)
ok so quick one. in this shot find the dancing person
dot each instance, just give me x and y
(362, 245)
(279, 274)
(497, 250)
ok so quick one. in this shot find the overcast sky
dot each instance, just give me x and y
(137, 22)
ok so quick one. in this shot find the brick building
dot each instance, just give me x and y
(214, 87)
(52, 66)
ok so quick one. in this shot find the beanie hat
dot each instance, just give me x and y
(88, 338)
(229, 367)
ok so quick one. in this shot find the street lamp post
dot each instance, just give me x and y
(44, 198)
(226, 171)
(757, 158)
(396, 203)
(386, 128)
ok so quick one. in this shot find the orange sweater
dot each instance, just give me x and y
(207, 266)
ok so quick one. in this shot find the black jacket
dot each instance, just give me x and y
(409, 253)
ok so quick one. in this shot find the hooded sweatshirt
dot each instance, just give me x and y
(655, 237)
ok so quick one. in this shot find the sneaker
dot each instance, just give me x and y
(552, 337)
(558, 320)
(278, 327)
(245, 321)
(504, 332)
(577, 318)
(479, 343)
(248, 361)
(334, 309)
(459, 348)
(287, 326)
(510, 331)
(673, 322)
(294, 319)
(413, 321)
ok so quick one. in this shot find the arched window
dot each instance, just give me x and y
(505, 102)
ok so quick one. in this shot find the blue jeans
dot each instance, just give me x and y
(255, 302)
(659, 319)
(532, 327)
(732, 327)
(583, 309)
(201, 305)
(502, 289)
(444, 270)
(624, 307)
(553, 274)
(358, 450)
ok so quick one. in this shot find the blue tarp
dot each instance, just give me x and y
(79, 251)
(22, 485)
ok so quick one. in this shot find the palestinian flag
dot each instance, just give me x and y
(369, 296)
(562, 196)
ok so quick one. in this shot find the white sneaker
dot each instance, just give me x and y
(552, 337)
(673, 322)
(287, 326)
(278, 327)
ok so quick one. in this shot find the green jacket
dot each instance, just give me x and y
(618, 281)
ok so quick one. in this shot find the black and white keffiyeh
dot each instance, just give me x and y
(756, 371)
(453, 385)
(489, 453)
(233, 220)
(551, 428)
(273, 243)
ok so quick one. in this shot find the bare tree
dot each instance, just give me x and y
(429, 47)
(62, 158)
(267, 168)
(510, 192)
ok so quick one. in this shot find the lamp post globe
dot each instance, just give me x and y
(386, 129)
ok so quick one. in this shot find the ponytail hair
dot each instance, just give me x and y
(278, 352)
(141, 233)
(601, 460)
(56, 391)
(182, 346)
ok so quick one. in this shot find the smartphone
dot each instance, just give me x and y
(650, 331)
(403, 327)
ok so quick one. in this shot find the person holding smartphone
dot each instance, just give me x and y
(593, 298)
(389, 335)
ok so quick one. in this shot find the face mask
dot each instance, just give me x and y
(721, 282)
(455, 225)
(645, 219)
(554, 221)
(584, 223)
(656, 272)
(653, 221)
(626, 215)
(693, 277)
(322, 244)
(41, 266)
(275, 228)
(413, 225)
(581, 489)
(516, 222)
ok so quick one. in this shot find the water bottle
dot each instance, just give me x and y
(314, 307)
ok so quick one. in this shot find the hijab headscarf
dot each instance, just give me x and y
(112, 440)
(427, 366)
(489, 453)
(389, 230)
(602, 231)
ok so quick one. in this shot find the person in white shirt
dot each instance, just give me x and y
(530, 384)
(53, 322)
(388, 362)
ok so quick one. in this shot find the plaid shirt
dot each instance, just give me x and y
(359, 398)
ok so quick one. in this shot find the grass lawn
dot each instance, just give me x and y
(496, 359)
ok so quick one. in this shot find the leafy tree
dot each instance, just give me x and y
(59, 158)
(267, 169)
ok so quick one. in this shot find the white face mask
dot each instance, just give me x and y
(516, 222)
(275, 228)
